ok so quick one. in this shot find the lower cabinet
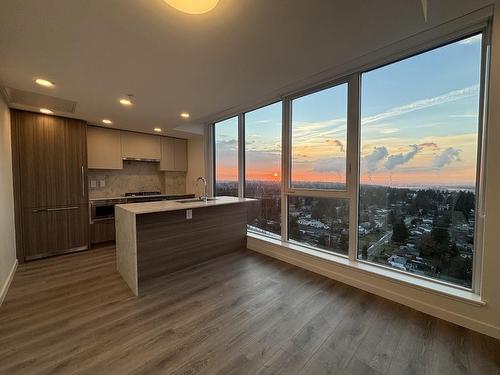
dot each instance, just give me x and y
(54, 230)
(102, 231)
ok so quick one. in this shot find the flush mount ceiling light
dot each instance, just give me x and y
(43, 82)
(158, 130)
(185, 115)
(126, 102)
(107, 122)
(46, 111)
(193, 6)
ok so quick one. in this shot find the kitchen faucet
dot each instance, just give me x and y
(205, 197)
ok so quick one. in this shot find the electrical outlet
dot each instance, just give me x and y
(93, 184)
(189, 214)
(102, 183)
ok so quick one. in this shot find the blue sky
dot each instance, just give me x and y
(419, 125)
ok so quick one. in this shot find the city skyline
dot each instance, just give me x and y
(407, 138)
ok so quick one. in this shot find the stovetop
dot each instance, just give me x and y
(142, 193)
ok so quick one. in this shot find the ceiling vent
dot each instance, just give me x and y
(22, 98)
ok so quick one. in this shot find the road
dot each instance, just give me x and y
(374, 250)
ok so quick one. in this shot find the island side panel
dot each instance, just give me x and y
(168, 242)
(126, 247)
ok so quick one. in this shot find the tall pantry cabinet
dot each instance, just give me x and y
(50, 184)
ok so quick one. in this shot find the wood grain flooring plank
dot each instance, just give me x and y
(337, 350)
(241, 313)
(138, 309)
(414, 351)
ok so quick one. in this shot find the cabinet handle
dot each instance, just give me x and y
(39, 210)
(62, 208)
(83, 183)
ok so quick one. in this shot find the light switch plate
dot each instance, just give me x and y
(102, 183)
(189, 214)
(93, 183)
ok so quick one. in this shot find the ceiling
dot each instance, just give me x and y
(242, 52)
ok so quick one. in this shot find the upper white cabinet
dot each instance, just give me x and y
(104, 148)
(180, 155)
(167, 154)
(140, 146)
(173, 154)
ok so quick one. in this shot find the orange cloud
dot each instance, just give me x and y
(429, 144)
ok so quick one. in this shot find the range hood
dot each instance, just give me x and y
(142, 159)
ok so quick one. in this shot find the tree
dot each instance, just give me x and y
(465, 203)
(364, 251)
(294, 229)
(461, 268)
(400, 232)
(441, 234)
(298, 204)
(318, 211)
(391, 218)
(467, 270)
(344, 243)
(427, 247)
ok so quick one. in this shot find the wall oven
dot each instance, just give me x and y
(103, 210)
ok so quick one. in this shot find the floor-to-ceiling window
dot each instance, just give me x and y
(382, 166)
(263, 167)
(226, 157)
(318, 215)
(419, 143)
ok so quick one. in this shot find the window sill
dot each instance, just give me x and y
(378, 271)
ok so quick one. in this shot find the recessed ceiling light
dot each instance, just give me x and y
(158, 130)
(43, 82)
(46, 111)
(107, 122)
(125, 102)
(185, 115)
(193, 7)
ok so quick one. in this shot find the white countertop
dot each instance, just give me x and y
(161, 206)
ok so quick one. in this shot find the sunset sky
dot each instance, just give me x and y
(419, 126)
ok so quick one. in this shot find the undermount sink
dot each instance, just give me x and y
(195, 200)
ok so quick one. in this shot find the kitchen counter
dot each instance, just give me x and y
(161, 206)
(102, 224)
(157, 238)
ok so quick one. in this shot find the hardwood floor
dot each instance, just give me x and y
(242, 313)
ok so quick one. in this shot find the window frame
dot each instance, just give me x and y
(353, 79)
(351, 148)
(242, 163)
(479, 192)
(213, 162)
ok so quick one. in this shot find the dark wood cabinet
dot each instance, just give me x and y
(102, 231)
(50, 184)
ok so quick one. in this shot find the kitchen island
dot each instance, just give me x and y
(157, 238)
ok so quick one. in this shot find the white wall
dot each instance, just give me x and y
(8, 260)
(196, 165)
(483, 318)
(491, 255)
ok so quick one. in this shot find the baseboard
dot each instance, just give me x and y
(322, 268)
(5, 287)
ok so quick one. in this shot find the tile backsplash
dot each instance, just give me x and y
(135, 176)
